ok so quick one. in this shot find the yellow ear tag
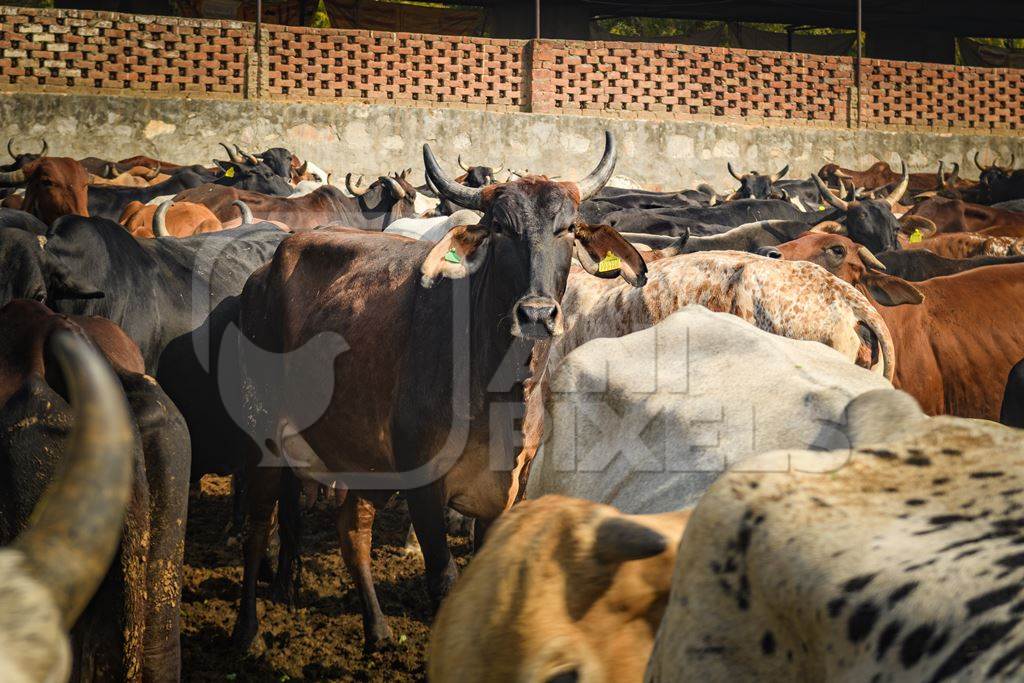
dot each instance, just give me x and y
(916, 236)
(821, 207)
(230, 173)
(452, 257)
(609, 263)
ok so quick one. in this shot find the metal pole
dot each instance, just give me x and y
(860, 41)
(259, 48)
(536, 16)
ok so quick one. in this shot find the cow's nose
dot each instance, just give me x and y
(537, 318)
(770, 252)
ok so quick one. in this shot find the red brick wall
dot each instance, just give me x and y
(80, 51)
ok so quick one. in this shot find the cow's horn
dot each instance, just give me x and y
(468, 197)
(954, 175)
(896, 195)
(10, 148)
(597, 179)
(302, 169)
(154, 174)
(781, 174)
(828, 196)
(732, 172)
(232, 153)
(74, 531)
(620, 539)
(978, 163)
(45, 149)
(15, 177)
(243, 209)
(160, 219)
(353, 190)
(250, 158)
(462, 165)
(829, 228)
(941, 173)
(109, 172)
(870, 259)
(396, 187)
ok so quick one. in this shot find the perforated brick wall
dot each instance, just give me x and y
(81, 51)
(679, 81)
(394, 67)
(936, 96)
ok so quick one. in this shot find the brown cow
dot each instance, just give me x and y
(969, 244)
(147, 162)
(180, 219)
(136, 176)
(877, 176)
(565, 589)
(954, 215)
(956, 337)
(55, 187)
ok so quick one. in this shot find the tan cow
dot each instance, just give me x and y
(180, 219)
(564, 590)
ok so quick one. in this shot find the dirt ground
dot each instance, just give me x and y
(322, 638)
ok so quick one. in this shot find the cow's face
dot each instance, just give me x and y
(254, 177)
(870, 222)
(753, 185)
(853, 263)
(535, 219)
(55, 187)
(279, 160)
(479, 176)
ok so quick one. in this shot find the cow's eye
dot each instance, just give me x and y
(837, 250)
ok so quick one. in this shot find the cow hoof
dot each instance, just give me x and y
(378, 641)
(244, 640)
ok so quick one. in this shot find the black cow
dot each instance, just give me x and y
(22, 159)
(707, 220)
(752, 237)
(754, 185)
(1012, 411)
(436, 371)
(1011, 205)
(474, 176)
(175, 298)
(109, 201)
(15, 218)
(916, 265)
(267, 173)
(625, 198)
(132, 623)
(869, 222)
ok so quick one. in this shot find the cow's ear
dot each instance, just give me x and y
(911, 224)
(63, 284)
(891, 291)
(603, 252)
(459, 254)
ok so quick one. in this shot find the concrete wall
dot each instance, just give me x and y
(374, 139)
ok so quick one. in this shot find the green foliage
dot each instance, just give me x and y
(320, 18)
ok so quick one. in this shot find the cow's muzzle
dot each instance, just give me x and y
(537, 317)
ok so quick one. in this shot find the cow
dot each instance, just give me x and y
(953, 215)
(754, 185)
(384, 201)
(513, 267)
(962, 245)
(956, 337)
(646, 421)
(147, 162)
(21, 159)
(920, 264)
(110, 202)
(169, 219)
(895, 560)
(880, 175)
(15, 218)
(51, 568)
(246, 172)
(137, 176)
(573, 591)
(752, 237)
(177, 299)
(54, 187)
(994, 183)
(474, 176)
(130, 630)
(1011, 413)
(871, 220)
(706, 220)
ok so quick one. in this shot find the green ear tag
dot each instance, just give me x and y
(609, 263)
(452, 257)
(916, 236)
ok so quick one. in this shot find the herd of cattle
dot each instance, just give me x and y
(671, 415)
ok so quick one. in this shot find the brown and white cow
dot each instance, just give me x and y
(564, 590)
(956, 337)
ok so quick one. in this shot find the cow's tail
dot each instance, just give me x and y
(160, 219)
(243, 209)
(867, 315)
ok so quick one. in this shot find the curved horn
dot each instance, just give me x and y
(154, 174)
(301, 170)
(954, 175)
(109, 172)
(353, 190)
(896, 195)
(10, 148)
(781, 174)
(250, 159)
(869, 259)
(732, 172)
(498, 170)
(828, 196)
(829, 227)
(232, 153)
(396, 187)
(978, 163)
(941, 174)
(77, 524)
(45, 149)
(15, 177)
(469, 197)
(597, 179)
(462, 165)
(243, 209)
(160, 219)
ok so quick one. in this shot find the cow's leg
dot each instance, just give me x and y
(238, 485)
(287, 581)
(426, 506)
(355, 529)
(480, 527)
(262, 494)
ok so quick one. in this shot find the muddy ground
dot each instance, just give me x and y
(322, 638)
